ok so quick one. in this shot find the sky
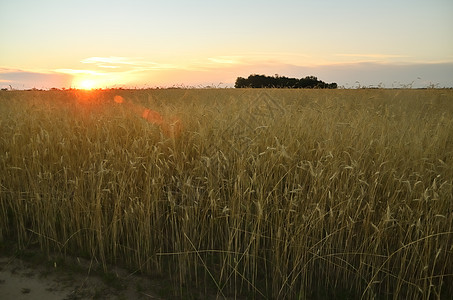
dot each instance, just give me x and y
(141, 44)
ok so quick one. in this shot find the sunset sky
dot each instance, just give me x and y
(138, 43)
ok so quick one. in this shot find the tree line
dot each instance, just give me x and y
(263, 81)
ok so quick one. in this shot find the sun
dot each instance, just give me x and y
(87, 84)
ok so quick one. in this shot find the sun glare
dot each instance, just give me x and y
(87, 81)
(87, 84)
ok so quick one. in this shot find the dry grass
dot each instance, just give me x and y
(272, 194)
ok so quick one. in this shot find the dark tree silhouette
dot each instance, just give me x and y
(263, 81)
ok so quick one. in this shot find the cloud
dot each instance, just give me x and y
(110, 67)
(26, 79)
(109, 60)
(79, 72)
(225, 60)
(371, 55)
(126, 63)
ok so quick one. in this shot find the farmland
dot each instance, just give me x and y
(266, 193)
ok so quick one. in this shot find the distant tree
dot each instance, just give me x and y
(240, 82)
(263, 81)
(332, 85)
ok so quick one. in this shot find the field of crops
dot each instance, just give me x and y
(276, 193)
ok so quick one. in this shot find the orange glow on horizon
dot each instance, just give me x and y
(87, 81)
(86, 84)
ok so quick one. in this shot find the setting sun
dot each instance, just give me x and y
(87, 84)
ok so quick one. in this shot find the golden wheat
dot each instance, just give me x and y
(272, 193)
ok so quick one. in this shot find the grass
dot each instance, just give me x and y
(277, 194)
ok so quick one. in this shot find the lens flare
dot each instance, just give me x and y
(152, 116)
(170, 126)
(118, 99)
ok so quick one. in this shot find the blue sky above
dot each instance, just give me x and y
(165, 43)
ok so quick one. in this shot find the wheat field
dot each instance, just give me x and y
(267, 194)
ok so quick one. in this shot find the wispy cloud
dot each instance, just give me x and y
(109, 60)
(24, 79)
(371, 55)
(79, 72)
(243, 59)
(108, 67)
(225, 60)
(126, 63)
(7, 70)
